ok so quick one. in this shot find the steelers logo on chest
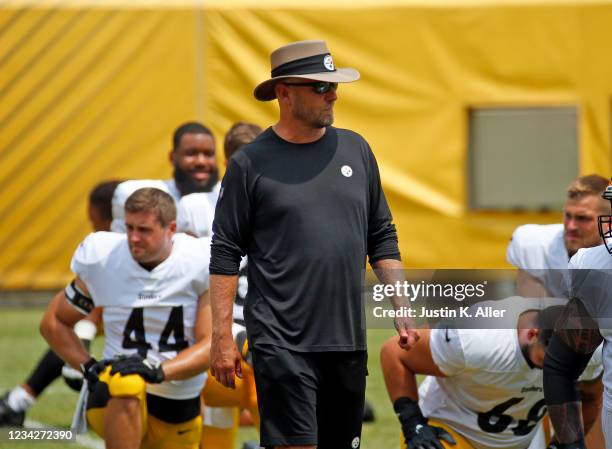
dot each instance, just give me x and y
(346, 171)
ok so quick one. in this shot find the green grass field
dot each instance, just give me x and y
(21, 346)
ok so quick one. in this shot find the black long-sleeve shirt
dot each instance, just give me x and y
(307, 215)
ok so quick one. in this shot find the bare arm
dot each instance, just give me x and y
(96, 317)
(224, 356)
(390, 271)
(195, 359)
(401, 367)
(57, 328)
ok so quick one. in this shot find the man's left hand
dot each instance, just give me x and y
(135, 364)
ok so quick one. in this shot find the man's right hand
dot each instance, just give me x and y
(408, 334)
(91, 369)
(418, 433)
(225, 360)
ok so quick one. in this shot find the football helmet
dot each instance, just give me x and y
(605, 221)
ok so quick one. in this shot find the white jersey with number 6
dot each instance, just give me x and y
(491, 395)
(147, 312)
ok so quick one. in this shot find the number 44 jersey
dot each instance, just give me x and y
(152, 313)
(491, 395)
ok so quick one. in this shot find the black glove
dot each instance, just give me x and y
(92, 369)
(151, 372)
(576, 445)
(417, 433)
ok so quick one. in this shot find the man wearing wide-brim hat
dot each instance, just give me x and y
(304, 202)
(307, 61)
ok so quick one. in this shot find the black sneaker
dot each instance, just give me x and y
(8, 416)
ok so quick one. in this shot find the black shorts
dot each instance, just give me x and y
(310, 398)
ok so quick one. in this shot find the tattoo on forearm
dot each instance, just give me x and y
(567, 421)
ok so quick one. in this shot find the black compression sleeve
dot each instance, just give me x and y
(562, 367)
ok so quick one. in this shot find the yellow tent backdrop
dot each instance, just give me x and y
(92, 90)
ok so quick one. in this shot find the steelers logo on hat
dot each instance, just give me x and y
(328, 62)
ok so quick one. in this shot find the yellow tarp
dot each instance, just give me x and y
(92, 91)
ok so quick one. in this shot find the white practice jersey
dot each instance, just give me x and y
(491, 395)
(148, 312)
(593, 285)
(196, 212)
(540, 250)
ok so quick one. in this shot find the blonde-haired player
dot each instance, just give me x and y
(538, 250)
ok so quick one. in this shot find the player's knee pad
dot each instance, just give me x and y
(114, 386)
(119, 385)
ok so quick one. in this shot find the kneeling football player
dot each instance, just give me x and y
(484, 387)
(152, 285)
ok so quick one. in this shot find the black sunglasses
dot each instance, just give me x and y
(320, 87)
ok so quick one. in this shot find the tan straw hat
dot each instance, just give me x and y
(305, 59)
